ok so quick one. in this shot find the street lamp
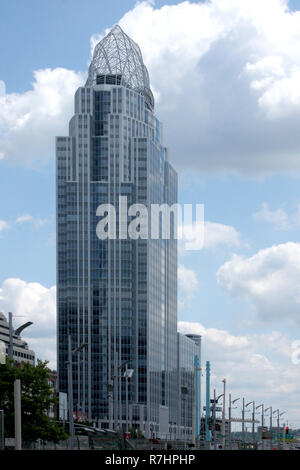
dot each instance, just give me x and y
(253, 419)
(271, 414)
(114, 388)
(127, 374)
(184, 392)
(216, 399)
(229, 415)
(70, 386)
(262, 421)
(223, 413)
(17, 382)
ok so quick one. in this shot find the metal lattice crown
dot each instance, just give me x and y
(117, 53)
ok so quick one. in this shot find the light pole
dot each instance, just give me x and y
(229, 415)
(184, 392)
(214, 421)
(114, 388)
(278, 425)
(271, 433)
(70, 386)
(283, 430)
(214, 417)
(127, 374)
(262, 423)
(17, 383)
(253, 418)
(243, 421)
(223, 413)
(207, 410)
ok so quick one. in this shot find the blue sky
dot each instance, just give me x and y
(226, 84)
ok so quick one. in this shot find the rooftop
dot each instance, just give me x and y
(117, 53)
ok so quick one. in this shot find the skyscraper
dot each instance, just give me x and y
(116, 295)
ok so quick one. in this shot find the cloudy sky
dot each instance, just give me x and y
(226, 79)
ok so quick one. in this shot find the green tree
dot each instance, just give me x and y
(36, 399)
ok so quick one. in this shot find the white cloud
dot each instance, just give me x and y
(223, 70)
(30, 301)
(2, 88)
(3, 225)
(279, 218)
(256, 366)
(187, 279)
(188, 285)
(270, 280)
(208, 235)
(225, 74)
(30, 121)
(28, 218)
(35, 222)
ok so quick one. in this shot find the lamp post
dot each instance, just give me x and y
(262, 422)
(114, 388)
(214, 417)
(253, 419)
(243, 421)
(223, 413)
(207, 410)
(229, 415)
(278, 424)
(17, 383)
(271, 439)
(184, 392)
(70, 386)
(127, 374)
(214, 421)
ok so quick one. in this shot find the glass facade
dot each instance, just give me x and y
(189, 346)
(119, 296)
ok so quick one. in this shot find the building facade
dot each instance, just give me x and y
(189, 348)
(117, 296)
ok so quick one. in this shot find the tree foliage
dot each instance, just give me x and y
(36, 400)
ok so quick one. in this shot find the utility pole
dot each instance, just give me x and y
(223, 413)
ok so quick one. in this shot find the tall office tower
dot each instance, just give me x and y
(117, 296)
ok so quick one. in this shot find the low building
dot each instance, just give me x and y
(21, 352)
